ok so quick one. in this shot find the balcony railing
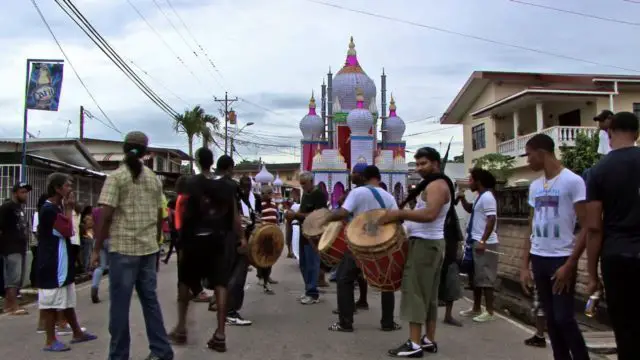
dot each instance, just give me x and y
(561, 135)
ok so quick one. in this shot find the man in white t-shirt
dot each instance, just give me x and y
(482, 230)
(556, 199)
(370, 196)
(604, 120)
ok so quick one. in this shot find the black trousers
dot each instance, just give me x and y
(346, 276)
(622, 294)
(34, 265)
(237, 283)
(264, 273)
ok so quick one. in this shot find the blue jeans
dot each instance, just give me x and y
(566, 339)
(104, 264)
(310, 268)
(127, 272)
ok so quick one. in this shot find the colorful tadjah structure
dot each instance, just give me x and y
(346, 132)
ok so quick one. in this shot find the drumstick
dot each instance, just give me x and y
(491, 251)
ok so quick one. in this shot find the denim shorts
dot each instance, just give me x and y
(13, 269)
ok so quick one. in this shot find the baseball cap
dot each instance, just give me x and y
(604, 115)
(22, 185)
(359, 168)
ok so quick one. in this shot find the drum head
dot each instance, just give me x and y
(314, 225)
(330, 234)
(364, 232)
(265, 245)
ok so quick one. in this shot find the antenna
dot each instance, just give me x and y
(68, 126)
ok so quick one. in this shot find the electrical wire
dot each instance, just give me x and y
(432, 131)
(576, 13)
(88, 114)
(86, 88)
(78, 18)
(162, 84)
(469, 36)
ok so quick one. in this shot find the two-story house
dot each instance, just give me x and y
(501, 111)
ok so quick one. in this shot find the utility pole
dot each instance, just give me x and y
(227, 102)
(81, 123)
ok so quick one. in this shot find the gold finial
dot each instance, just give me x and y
(312, 101)
(352, 47)
(392, 103)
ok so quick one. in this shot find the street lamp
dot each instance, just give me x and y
(236, 134)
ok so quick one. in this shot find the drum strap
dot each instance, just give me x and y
(376, 195)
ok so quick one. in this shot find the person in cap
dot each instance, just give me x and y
(557, 199)
(14, 238)
(604, 121)
(426, 231)
(613, 210)
(368, 195)
(131, 218)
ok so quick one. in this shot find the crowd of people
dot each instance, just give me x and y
(213, 216)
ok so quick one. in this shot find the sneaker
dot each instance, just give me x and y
(237, 320)
(94, 296)
(268, 290)
(484, 317)
(362, 305)
(536, 341)
(407, 350)
(428, 346)
(469, 313)
(308, 300)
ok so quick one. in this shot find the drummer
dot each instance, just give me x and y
(361, 199)
(269, 215)
(425, 228)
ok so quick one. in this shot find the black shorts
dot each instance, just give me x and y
(205, 261)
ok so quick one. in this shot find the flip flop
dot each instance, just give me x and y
(56, 346)
(19, 312)
(86, 337)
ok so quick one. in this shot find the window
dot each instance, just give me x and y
(478, 137)
(160, 162)
(636, 109)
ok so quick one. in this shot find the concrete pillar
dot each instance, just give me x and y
(539, 117)
(516, 124)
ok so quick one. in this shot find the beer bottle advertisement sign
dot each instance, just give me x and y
(45, 84)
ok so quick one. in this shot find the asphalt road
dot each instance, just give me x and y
(282, 329)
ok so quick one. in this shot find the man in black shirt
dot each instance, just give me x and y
(313, 198)
(613, 195)
(208, 235)
(13, 246)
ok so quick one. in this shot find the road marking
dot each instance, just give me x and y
(515, 323)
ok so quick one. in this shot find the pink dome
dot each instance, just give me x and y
(360, 119)
(394, 125)
(312, 125)
(350, 77)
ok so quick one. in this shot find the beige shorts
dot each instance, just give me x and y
(59, 299)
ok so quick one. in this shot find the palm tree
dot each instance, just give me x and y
(193, 123)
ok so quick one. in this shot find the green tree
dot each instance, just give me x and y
(195, 123)
(458, 158)
(500, 165)
(583, 155)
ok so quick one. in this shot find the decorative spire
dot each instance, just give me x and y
(360, 98)
(312, 105)
(392, 106)
(352, 59)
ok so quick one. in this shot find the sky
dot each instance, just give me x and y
(272, 54)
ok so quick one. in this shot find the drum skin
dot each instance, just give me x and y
(380, 250)
(333, 243)
(265, 245)
(314, 224)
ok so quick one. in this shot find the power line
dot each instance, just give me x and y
(475, 37)
(432, 131)
(162, 84)
(577, 13)
(163, 41)
(78, 18)
(55, 38)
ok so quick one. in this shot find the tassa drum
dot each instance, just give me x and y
(314, 224)
(265, 245)
(380, 250)
(333, 244)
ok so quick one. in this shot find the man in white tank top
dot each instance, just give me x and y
(360, 199)
(425, 228)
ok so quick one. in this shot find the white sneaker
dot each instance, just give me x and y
(308, 300)
(238, 320)
(469, 313)
(484, 317)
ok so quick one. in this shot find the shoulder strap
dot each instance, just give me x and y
(376, 195)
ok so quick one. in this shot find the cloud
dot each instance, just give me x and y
(274, 53)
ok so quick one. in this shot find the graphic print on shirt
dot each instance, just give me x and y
(546, 213)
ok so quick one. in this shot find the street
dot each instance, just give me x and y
(282, 329)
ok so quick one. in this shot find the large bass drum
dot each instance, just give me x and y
(380, 250)
(333, 244)
(265, 245)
